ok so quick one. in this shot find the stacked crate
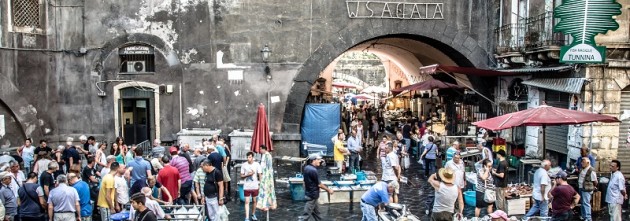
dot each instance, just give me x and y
(596, 201)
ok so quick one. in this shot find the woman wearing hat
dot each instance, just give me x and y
(445, 195)
(483, 180)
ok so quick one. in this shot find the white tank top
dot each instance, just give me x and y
(445, 198)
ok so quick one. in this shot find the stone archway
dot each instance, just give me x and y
(458, 45)
(24, 112)
(135, 38)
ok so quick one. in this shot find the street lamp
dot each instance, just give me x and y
(266, 52)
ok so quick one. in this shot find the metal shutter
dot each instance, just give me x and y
(556, 136)
(622, 154)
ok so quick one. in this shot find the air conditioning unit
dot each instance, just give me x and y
(136, 66)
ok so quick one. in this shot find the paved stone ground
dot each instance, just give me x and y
(413, 195)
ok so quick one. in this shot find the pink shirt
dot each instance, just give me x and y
(182, 166)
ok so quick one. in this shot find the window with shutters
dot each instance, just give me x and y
(137, 59)
(26, 15)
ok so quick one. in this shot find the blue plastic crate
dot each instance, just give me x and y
(470, 198)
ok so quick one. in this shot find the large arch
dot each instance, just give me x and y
(457, 44)
(135, 38)
(24, 112)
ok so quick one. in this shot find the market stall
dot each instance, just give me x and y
(348, 189)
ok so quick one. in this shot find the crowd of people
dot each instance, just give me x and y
(448, 177)
(90, 180)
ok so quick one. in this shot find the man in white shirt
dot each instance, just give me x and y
(17, 177)
(122, 189)
(542, 185)
(151, 205)
(251, 172)
(616, 193)
(587, 182)
(456, 164)
(391, 170)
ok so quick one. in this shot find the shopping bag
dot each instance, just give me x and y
(223, 213)
(406, 162)
(490, 195)
(226, 174)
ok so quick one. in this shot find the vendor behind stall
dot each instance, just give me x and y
(377, 194)
(584, 153)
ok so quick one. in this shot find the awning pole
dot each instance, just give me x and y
(469, 87)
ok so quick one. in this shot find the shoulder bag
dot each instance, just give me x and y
(490, 195)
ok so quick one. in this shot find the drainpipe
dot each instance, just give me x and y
(181, 117)
(590, 140)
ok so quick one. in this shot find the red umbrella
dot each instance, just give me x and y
(261, 131)
(425, 86)
(543, 116)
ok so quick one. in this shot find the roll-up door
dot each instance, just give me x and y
(623, 155)
(556, 136)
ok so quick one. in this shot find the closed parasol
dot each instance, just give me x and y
(543, 116)
(261, 131)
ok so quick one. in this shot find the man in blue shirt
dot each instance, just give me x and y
(141, 169)
(377, 194)
(355, 148)
(84, 195)
(450, 152)
(312, 185)
(584, 153)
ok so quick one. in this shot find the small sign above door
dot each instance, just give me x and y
(136, 49)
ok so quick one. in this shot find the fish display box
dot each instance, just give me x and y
(323, 197)
(357, 193)
(341, 195)
(516, 206)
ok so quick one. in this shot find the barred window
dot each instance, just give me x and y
(26, 13)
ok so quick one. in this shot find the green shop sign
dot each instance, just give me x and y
(583, 20)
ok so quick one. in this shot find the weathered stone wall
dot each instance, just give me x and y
(50, 85)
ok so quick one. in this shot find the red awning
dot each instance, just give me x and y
(431, 69)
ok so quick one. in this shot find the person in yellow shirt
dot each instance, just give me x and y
(340, 151)
(107, 194)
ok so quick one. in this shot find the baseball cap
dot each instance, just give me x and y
(499, 214)
(561, 174)
(4, 174)
(314, 157)
(173, 150)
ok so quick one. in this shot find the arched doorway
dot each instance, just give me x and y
(136, 116)
(407, 52)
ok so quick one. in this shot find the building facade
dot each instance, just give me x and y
(527, 44)
(148, 69)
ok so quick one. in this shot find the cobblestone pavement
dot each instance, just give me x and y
(413, 195)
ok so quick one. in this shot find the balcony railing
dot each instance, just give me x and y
(529, 33)
(510, 37)
(540, 32)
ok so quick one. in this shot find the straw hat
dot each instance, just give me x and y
(447, 175)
